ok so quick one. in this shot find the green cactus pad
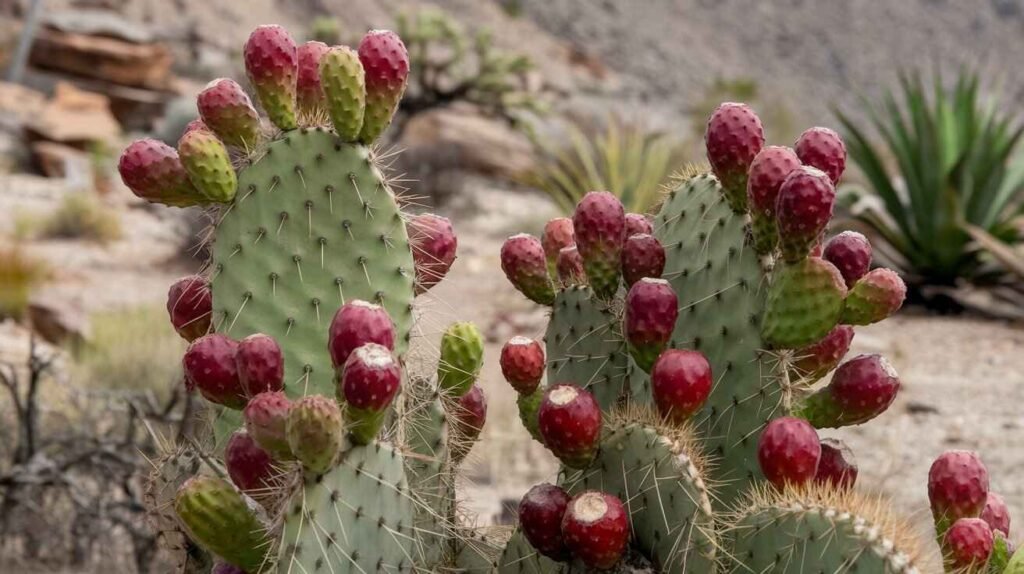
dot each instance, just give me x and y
(521, 558)
(658, 476)
(313, 225)
(585, 345)
(344, 86)
(462, 356)
(224, 521)
(721, 291)
(426, 436)
(804, 303)
(822, 530)
(1016, 564)
(358, 518)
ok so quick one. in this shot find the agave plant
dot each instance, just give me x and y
(946, 172)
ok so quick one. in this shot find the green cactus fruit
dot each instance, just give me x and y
(227, 111)
(341, 77)
(386, 64)
(528, 406)
(462, 355)
(874, 297)
(356, 519)
(224, 521)
(314, 431)
(805, 301)
(206, 160)
(272, 64)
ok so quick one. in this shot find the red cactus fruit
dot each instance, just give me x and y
(468, 419)
(558, 234)
(265, 417)
(190, 306)
(386, 64)
(824, 149)
(154, 172)
(271, 62)
(861, 389)
(600, 225)
(570, 267)
(638, 223)
(957, 487)
(875, 296)
(209, 365)
(434, 247)
(249, 466)
(309, 93)
(815, 361)
(368, 384)
(260, 364)
(595, 528)
(680, 382)
(522, 364)
(355, 324)
(803, 210)
(651, 312)
(789, 452)
(227, 110)
(570, 422)
(968, 543)
(837, 466)
(996, 514)
(850, 252)
(769, 169)
(733, 138)
(642, 256)
(540, 518)
(314, 432)
(522, 260)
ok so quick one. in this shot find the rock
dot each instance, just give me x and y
(57, 320)
(20, 103)
(59, 160)
(75, 116)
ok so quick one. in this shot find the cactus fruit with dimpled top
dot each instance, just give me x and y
(367, 385)
(733, 138)
(570, 422)
(596, 529)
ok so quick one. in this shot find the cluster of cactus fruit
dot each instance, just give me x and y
(681, 359)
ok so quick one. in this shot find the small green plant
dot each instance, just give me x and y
(19, 274)
(326, 29)
(626, 159)
(947, 164)
(82, 216)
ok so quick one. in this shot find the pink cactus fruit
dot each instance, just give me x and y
(789, 452)
(570, 267)
(260, 364)
(309, 92)
(154, 172)
(249, 466)
(540, 518)
(368, 384)
(190, 306)
(837, 467)
(815, 361)
(968, 543)
(522, 260)
(769, 169)
(600, 226)
(271, 62)
(522, 364)
(850, 252)
(558, 234)
(227, 110)
(642, 256)
(434, 247)
(824, 149)
(468, 418)
(595, 528)
(803, 210)
(570, 422)
(386, 64)
(651, 311)
(355, 324)
(637, 224)
(957, 487)
(265, 416)
(996, 514)
(681, 383)
(209, 365)
(733, 138)
(874, 297)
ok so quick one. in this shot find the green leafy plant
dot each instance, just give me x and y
(947, 164)
(628, 160)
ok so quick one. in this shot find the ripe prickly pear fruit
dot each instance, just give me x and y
(805, 301)
(249, 466)
(522, 260)
(343, 83)
(850, 252)
(529, 409)
(355, 324)
(227, 110)
(638, 223)
(190, 306)
(996, 514)
(386, 62)
(309, 93)
(260, 364)
(595, 528)
(368, 384)
(558, 234)
(824, 149)
(642, 256)
(600, 225)
(803, 210)
(968, 543)
(266, 418)
(861, 389)
(570, 422)
(314, 431)
(272, 62)
(540, 518)
(434, 247)
(957, 487)
(154, 172)
(769, 169)
(223, 520)
(209, 365)
(680, 382)
(837, 466)
(813, 362)
(651, 312)
(208, 165)
(733, 138)
(462, 356)
(789, 452)
(874, 297)
(522, 364)
(468, 418)
(570, 267)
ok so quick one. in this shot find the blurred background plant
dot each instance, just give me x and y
(82, 215)
(19, 274)
(941, 170)
(780, 124)
(624, 158)
(325, 29)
